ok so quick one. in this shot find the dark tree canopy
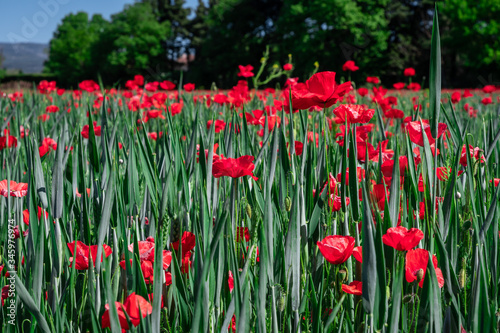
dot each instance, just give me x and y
(382, 36)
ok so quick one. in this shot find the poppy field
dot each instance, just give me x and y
(324, 206)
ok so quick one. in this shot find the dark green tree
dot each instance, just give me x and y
(131, 44)
(70, 57)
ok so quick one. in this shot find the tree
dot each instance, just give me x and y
(70, 57)
(470, 35)
(131, 44)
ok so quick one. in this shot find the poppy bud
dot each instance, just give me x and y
(120, 161)
(282, 300)
(288, 203)
(248, 209)
(408, 298)
(342, 275)
(458, 195)
(462, 276)
(420, 275)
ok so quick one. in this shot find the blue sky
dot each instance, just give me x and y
(35, 21)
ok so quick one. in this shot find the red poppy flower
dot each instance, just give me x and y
(378, 195)
(82, 254)
(358, 253)
(336, 249)
(245, 71)
(220, 99)
(487, 101)
(86, 130)
(242, 232)
(230, 281)
(135, 306)
(151, 86)
(414, 86)
(299, 147)
(176, 108)
(416, 135)
(234, 167)
(394, 114)
(26, 215)
(399, 85)
(147, 258)
(88, 86)
(219, 125)
(188, 87)
(496, 181)
(416, 267)
(361, 151)
(336, 202)
(455, 97)
(353, 113)
(167, 85)
(353, 288)
(188, 242)
(10, 142)
(349, 66)
(409, 72)
(373, 79)
(320, 90)
(388, 166)
(52, 109)
(16, 189)
(362, 92)
(402, 239)
(475, 154)
(287, 67)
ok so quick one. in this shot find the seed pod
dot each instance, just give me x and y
(288, 203)
(420, 275)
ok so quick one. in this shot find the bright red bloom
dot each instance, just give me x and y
(135, 306)
(188, 87)
(219, 125)
(475, 155)
(234, 167)
(242, 233)
(46, 87)
(487, 101)
(467, 94)
(394, 114)
(353, 288)
(373, 79)
(52, 109)
(489, 89)
(409, 72)
(230, 282)
(188, 242)
(358, 253)
(414, 86)
(176, 108)
(349, 66)
(388, 166)
(336, 249)
(320, 90)
(82, 254)
(246, 71)
(151, 86)
(139, 80)
(353, 113)
(16, 189)
(167, 85)
(88, 86)
(402, 239)
(456, 97)
(287, 67)
(362, 92)
(416, 135)
(86, 130)
(399, 85)
(10, 142)
(417, 260)
(336, 202)
(147, 258)
(496, 181)
(299, 147)
(26, 215)
(378, 194)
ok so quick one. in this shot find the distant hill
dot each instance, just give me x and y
(27, 57)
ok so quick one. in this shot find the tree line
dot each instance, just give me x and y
(159, 38)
